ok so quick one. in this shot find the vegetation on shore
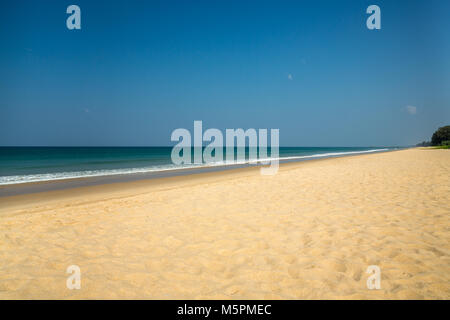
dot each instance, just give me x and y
(440, 139)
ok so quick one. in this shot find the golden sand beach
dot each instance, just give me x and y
(308, 232)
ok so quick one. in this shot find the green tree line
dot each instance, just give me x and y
(441, 137)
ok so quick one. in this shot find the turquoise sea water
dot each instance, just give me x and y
(31, 164)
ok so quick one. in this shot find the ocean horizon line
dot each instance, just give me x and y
(169, 146)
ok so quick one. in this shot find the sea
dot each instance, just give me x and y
(34, 164)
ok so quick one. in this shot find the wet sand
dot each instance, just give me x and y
(309, 232)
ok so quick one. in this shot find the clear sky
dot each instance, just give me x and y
(137, 70)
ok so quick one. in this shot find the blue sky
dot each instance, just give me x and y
(137, 70)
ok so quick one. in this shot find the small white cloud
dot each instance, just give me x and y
(86, 110)
(411, 110)
(290, 77)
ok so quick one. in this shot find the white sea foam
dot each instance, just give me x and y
(7, 180)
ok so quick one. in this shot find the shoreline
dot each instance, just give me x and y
(9, 190)
(74, 188)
